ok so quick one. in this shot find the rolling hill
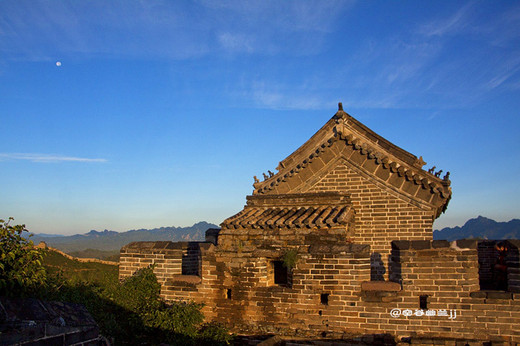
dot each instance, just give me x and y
(71, 269)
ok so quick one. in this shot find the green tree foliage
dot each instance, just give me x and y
(140, 292)
(20, 262)
(135, 305)
(178, 322)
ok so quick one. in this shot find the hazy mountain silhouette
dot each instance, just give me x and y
(110, 240)
(481, 227)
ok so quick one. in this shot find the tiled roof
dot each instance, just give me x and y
(307, 210)
(300, 217)
(373, 147)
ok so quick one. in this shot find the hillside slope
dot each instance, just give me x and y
(55, 263)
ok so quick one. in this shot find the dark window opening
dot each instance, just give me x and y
(324, 298)
(281, 274)
(191, 259)
(228, 293)
(423, 302)
(493, 265)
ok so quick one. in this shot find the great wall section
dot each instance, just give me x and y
(338, 245)
(43, 245)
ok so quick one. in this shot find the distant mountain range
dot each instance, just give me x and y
(113, 241)
(110, 241)
(481, 227)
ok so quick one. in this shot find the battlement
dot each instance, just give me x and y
(330, 290)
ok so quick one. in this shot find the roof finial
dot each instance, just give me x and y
(340, 106)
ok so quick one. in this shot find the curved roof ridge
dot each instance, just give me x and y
(343, 126)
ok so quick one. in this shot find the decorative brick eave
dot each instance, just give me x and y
(307, 210)
(390, 163)
(299, 217)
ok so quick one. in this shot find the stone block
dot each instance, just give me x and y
(370, 165)
(357, 157)
(410, 187)
(382, 173)
(401, 244)
(194, 279)
(423, 193)
(499, 295)
(420, 244)
(388, 286)
(395, 180)
(466, 243)
(440, 244)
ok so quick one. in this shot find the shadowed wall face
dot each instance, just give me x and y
(331, 291)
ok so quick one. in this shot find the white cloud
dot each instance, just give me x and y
(235, 42)
(502, 77)
(42, 30)
(281, 16)
(272, 95)
(451, 25)
(45, 158)
(39, 30)
(452, 61)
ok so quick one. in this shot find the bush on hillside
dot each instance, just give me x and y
(214, 333)
(20, 262)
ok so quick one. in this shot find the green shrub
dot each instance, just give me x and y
(21, 266)
(132, 312)
(140, 292)
(176, 320)
(290, 258)
(214, 333)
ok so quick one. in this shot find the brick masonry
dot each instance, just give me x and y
(237, 288)
(350, 215)
(381, 215)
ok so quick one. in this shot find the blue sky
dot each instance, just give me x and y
(161, 112)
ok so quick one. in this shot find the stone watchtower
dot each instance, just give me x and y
(345, 183)
(303, 254)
